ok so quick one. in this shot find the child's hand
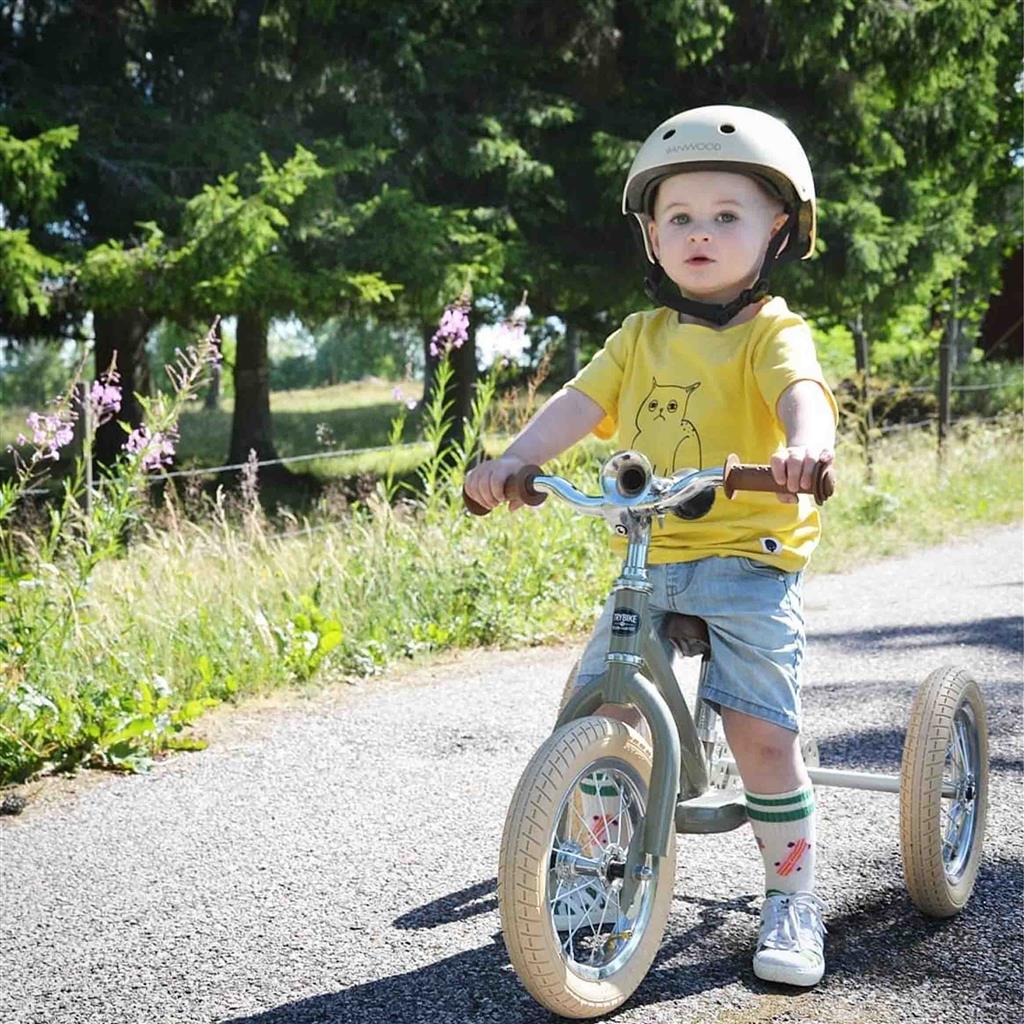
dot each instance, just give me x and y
(486, 483)
(794, 468)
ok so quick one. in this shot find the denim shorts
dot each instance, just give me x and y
(755, 621)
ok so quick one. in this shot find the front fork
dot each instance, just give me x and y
(679, 764)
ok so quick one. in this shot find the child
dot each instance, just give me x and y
(721, 194)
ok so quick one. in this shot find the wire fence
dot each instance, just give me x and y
(933, 421)
(344, 452)
(341, 453)
(925, 389)
(288, 459)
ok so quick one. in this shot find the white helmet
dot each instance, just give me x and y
(736, 139)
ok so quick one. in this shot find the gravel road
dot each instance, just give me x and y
(332, 858)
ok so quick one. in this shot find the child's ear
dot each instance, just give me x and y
(777, 225)
(652, 234)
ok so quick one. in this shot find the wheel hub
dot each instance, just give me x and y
(967, 788)
(565, 861)
(613, 864)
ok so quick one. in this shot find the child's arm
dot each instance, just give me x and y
(810, 427)
(563, 420)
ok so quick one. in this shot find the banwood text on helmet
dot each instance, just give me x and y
(735, 139)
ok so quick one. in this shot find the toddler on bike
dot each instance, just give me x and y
(722, 194)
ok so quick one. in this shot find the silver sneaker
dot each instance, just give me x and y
(790, 947)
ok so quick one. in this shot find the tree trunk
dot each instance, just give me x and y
(250, 425)
(121, 340)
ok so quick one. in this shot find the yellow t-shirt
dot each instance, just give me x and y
(687, 396)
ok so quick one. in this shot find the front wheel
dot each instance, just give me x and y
(944, 792)
(580, 801)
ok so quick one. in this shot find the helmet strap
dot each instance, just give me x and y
(662, 290)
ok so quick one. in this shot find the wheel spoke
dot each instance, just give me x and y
(599, 784)
(572, 892)
(600, 924)
(584, 823)
(584, 943)
(951, 840)
(584, 920)
(965, 756)
(619, 816)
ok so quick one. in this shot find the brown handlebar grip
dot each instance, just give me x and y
(518, 485)
(473, 507)
(738, 477)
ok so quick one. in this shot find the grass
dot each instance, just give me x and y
(914, 500)
(216, 602)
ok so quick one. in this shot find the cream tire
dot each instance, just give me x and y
(525, 875)
(941, 838)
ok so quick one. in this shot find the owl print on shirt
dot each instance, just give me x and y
(663, 411)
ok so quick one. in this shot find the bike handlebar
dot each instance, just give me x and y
(733, 476)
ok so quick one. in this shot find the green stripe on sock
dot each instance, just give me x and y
(780, 816)
(803, 797)
(593, 791)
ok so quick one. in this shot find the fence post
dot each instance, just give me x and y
(861, 355)
(946, 370)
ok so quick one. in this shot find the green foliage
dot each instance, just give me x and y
(321, 160)
(346, 350)
(30, 178)
(30, 171)
(46, 576)
(305, 637)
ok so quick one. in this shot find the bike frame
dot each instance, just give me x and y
(639, 672)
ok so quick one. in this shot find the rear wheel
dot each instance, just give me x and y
(944, 792)
(577, 951)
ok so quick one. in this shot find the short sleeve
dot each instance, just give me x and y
(601, 379)
(785, 356)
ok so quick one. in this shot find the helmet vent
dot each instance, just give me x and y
(669, 134)
(727, 129)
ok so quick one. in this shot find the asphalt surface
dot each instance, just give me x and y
(333, 857)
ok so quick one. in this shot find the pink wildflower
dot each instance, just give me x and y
(453, 330)
(154, 450)
(49, 434)
(105, 398)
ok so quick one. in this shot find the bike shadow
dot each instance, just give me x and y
(710, 951)
(1002, 632)
(457, 906)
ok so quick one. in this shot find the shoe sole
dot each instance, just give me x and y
(787, 976)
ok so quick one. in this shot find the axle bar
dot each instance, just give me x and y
(854, 780)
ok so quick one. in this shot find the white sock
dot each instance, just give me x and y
(783, 825)
(599, 807)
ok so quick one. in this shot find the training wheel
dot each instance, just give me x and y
(946, 749)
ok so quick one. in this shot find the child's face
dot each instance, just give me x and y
(710, 230)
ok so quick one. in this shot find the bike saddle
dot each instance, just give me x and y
(689, 635)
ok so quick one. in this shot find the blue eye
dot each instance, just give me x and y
(681, 218)
(727, 218)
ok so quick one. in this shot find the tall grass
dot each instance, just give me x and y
(204, 608)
